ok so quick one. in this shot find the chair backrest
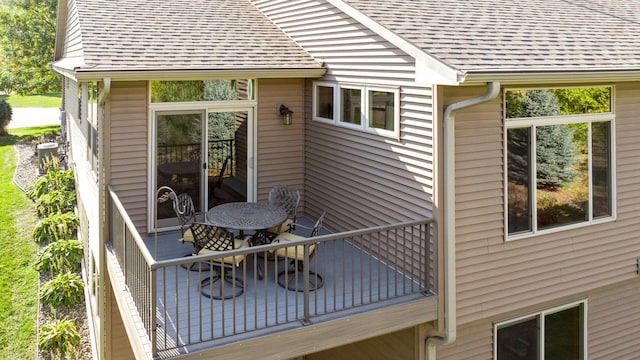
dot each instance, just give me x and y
(315, 231)
(285, 197)
(185, 211)
(211, 237)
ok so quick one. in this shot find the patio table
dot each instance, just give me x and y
(246, 216)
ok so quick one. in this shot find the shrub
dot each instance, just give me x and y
(56, 201)
(60, 338)
(52, 180)
(60, 257)
(5, 116)
(56, 226)
(63, 290)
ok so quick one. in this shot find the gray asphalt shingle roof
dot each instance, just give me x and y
(184, 35)
(501, 35)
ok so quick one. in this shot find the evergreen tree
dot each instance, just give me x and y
(555, 147)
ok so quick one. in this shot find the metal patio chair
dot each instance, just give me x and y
(291, 277)
(209, 239)
(288, 198)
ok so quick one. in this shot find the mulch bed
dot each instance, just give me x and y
(25, 174)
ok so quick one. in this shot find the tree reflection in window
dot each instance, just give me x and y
(548, 150)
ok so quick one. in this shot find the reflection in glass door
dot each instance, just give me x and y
(178, 156)
(227, 156)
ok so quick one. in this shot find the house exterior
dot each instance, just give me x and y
(508, 130)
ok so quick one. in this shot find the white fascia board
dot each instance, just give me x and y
(429, 70)
(167, 75)
(546, 77)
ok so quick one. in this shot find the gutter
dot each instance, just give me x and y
(541, 76)
(449, 226)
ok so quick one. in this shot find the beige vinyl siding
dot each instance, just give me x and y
(70, 99)
(613, 322)
(363, 179)
(127, 147)
(495, 276)
(117, 342)
(280, 148)
(72, 36)
(612, 333)
(352, 52)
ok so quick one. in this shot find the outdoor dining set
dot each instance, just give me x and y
(238, 225)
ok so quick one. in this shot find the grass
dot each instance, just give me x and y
(49, 100)
(18, 279)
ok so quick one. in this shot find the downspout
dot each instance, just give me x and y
(449, 224)
(102, 211)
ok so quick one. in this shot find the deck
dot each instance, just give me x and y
(185, 316)
(362, 271)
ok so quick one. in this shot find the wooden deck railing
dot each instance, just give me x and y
(361, 270)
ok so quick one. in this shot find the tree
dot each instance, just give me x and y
(555, 146)
(27, 46)
(5, 116)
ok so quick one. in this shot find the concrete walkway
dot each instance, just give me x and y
(30, 117)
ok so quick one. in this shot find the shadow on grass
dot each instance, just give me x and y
(27, 134)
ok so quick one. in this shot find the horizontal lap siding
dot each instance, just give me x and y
(612, 325)
(72, 36)
(352, 52)
(495, 277)
(280, 147)
(613, 328)
(361, 179)
(127, 146)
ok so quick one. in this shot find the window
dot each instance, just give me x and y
(368, 108)
(558, 334)
(323, 102)
(88, 111)
(559, 158)
(202, 90)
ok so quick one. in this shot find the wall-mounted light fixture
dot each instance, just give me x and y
(287, 115)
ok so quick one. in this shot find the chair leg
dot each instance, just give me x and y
(216, 285)
(292, 278)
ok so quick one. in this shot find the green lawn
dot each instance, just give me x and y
(44, 100)
(18, 279)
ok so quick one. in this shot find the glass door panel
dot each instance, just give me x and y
(227, 156)
(178, 158)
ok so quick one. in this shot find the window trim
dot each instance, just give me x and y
(541, 315)
(315, 103)
(364, 110)
(590, 118)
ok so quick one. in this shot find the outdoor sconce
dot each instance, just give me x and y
(287, 115)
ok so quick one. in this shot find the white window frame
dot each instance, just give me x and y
(364, 110)
(510, 123)
(336, 108)
(363, 105)
(541, 321)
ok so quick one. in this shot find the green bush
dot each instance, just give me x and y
(5, 116)
(56, 201)
(59, 338)
(56, 226)
(52, 180)
(60, 257)
(63, 290)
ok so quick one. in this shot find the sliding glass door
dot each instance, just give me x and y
(207, 154)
